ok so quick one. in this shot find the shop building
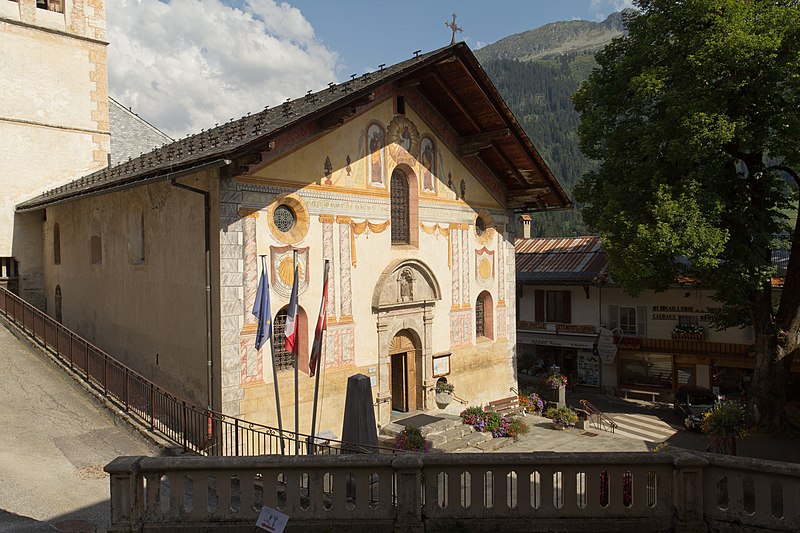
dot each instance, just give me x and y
(572, 314)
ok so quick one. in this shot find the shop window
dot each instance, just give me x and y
(632, 321)
(653, 370)
(284, 359)
(553, 306)
(56, 244)
(484, 323)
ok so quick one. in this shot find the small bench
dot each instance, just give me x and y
(653, 395)
(505, 406)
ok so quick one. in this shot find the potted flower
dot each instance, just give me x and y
(531, 403)
(444, 393)
(556, 382)
(562, 417)
(411, 439)
(722, 424)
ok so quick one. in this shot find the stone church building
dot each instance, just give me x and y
(405, 179)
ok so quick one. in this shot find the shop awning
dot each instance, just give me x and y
(566, 341)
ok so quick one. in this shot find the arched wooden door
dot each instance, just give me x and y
(403, 372)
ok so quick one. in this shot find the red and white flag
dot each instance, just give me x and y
(322, 325)
(291, 319)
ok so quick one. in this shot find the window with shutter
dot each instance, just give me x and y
(627, 320)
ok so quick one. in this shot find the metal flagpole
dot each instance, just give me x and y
(275, 377)
(296, 363)
(319, 364)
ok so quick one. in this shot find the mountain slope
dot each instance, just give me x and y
(537, 72)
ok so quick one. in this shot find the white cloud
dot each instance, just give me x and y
(188, 64)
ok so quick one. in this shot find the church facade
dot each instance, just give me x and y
(405, 180)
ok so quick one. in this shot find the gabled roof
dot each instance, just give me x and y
(131, 135)
(450, 78)
(572, 260)
(582, 260)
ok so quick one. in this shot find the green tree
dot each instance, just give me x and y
(693, 119)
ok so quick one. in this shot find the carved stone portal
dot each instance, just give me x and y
(403, 302)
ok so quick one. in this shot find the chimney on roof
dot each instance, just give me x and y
(526, 226)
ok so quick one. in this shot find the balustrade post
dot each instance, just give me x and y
(152, 408)
(127, 493)
(105, 375)
(688, 495)
(408, 476)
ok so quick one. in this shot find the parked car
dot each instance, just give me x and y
(691, 403)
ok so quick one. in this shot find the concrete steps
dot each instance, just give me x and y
(449, 435)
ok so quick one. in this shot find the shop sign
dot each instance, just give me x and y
(576, 328)
(606, 348)
(535, 326)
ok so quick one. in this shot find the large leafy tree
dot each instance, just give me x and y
(694, 120)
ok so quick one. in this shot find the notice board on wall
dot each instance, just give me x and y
(588, 368)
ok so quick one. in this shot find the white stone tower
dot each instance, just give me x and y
(53, 117)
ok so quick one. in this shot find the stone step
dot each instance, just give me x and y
(494, 444)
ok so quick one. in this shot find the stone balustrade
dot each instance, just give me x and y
(673, 490)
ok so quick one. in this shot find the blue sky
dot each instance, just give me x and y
(368, 33)
(185, 65)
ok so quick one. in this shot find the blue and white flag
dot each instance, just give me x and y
(262, 310)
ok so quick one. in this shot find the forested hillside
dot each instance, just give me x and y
(537, 72)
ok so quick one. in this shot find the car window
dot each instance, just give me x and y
(701, 399)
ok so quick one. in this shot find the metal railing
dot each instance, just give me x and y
(597, 419)
(178, 421)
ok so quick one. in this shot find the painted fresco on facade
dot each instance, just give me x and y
(428, 160)
(376, 139)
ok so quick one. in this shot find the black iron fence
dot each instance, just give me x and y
(195, 429)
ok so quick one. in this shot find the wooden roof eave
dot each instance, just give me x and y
(484, 83)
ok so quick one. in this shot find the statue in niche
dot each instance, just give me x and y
(406, 285)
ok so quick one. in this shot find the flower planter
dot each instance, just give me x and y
(443, 399)
(683, 336)
(559, 427)
(558, 396)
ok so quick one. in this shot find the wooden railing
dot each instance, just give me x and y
(194, 428)
(666, 491)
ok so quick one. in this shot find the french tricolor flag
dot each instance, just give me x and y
(291, 318)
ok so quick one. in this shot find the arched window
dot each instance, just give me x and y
(284, 359)
(400, 208)
(58, 304)
(137, 236)
(484, 316)
(96, 247)
(56, 244)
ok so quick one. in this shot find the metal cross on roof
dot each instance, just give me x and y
(455, 27)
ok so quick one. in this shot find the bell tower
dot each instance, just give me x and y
(53, 118)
